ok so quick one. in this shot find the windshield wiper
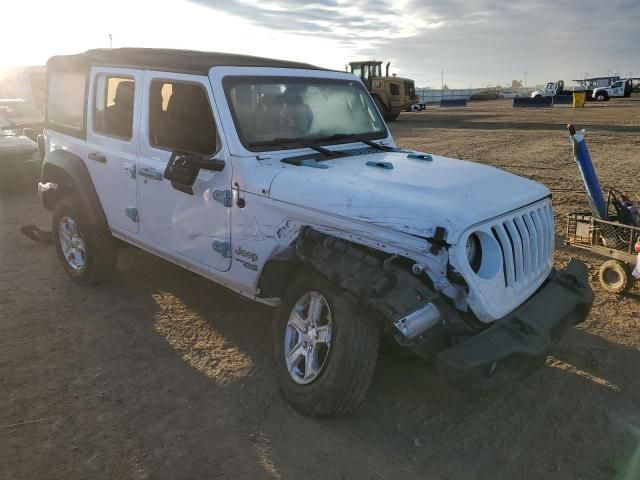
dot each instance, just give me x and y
(295, 141)
(358, 138)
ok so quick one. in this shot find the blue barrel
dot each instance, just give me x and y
(588, 172)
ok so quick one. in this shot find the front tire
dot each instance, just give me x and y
(602, 97)
(325, 349)
(88, 255)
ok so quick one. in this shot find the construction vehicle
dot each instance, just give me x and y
(392, 94)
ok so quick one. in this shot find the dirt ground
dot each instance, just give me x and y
(162, 375)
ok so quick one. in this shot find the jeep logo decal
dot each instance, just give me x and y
(246, 254)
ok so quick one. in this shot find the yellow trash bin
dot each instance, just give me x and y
(578, 99)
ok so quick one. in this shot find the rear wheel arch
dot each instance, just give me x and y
(72, 177)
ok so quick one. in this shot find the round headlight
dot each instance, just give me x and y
(474, 252)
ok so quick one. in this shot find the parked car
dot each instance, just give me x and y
(510, 94)
(281, 182)
(20, 115)
(20, 161)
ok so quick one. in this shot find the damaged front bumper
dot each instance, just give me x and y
(519, 343)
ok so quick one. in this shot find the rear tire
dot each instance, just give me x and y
(380, 105)
(615, 277)
(336, 380)
(88, 255)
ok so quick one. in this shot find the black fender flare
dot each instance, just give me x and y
(277, 273)
(72, 177)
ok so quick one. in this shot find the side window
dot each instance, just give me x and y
(113, 106)
(180, 118)
(65, 101)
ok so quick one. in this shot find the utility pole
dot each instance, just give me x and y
(442, 80)
(110, 41)
(525, 79)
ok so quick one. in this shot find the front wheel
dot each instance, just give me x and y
(602, 97)
(325, 349)
(88, 255)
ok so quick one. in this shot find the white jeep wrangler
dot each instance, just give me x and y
(280, 181)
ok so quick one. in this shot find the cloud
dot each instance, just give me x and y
(474, 41)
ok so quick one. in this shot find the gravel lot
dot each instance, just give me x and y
(162, 375)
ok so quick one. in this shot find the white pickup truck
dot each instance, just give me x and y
(551, 89)
(621, 88)
(281, 182)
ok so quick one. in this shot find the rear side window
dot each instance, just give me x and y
(180, 118)
(113, 107)
(65, 102)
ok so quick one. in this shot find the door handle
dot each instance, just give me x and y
(97, 157)
(150, 173)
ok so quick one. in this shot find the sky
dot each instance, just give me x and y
(474, 42)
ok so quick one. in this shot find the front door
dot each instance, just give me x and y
(112, 142)
(179, 114)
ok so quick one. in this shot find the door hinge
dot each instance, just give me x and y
(223, 196)
(223, 247)
(130, 169)
(132, 213)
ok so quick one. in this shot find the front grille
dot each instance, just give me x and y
(519, 256)
(526, 241)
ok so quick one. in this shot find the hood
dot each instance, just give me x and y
(19, 145)
(414, 197)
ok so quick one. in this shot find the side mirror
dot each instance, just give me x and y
(183, 168)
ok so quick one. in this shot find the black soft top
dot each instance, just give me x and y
(185, 61)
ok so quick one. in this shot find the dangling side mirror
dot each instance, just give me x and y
(183, 168)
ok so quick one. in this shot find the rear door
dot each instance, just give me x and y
(112, 142)
(179, 114)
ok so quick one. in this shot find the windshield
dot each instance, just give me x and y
(266, 109)
(8, 133)
(18, 113)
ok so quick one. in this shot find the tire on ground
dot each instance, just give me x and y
(99, 246)
(615, 276)
(344, 380)
(380, 105)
